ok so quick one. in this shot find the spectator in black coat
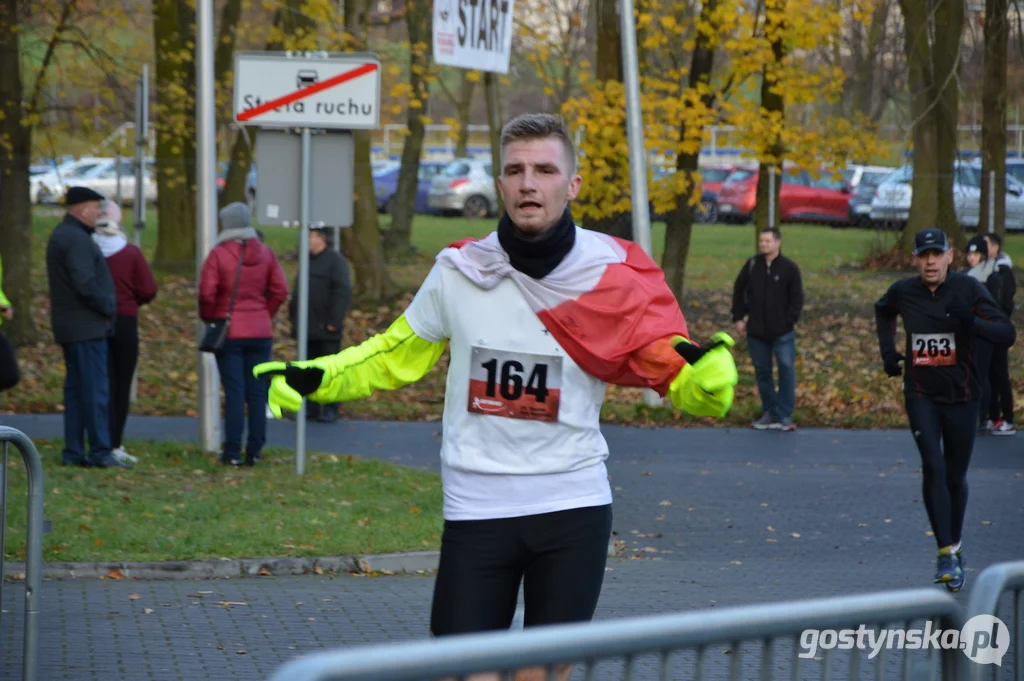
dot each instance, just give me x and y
(330, 294)
(83, 305)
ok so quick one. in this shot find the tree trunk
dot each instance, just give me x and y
(766, 210)
(224, 59)
(494, 123)
(15, 204)
(864, 80)
(679, 222)
(934, 105)
(419, 17)
(993, 118)
(292, 21)
(463, 109)
(609, 67)
(372, 281)
(175, 135)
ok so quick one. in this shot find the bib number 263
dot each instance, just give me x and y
(934, 349)
(515, 384)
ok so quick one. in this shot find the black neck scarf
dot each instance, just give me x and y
(537, 257)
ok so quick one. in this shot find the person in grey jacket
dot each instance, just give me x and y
(330, 294)
(83, 304)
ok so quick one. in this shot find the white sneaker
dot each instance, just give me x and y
(270, 414)
(1003, 428)
(123, 456)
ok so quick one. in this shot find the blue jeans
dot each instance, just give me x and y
(86, 401)
(780, 403)
(235, 362)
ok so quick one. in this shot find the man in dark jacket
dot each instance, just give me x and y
(330, 293)
(82, 309)
(769, 293)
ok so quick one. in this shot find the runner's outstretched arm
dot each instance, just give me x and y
(989, 320)
(386, 361)
(697, 380)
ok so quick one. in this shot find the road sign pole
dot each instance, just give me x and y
(206, 214)
(637, 157)
(303, 311)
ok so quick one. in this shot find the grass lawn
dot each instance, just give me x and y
(840, 381)
(178, 504)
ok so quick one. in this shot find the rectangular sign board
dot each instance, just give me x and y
(278, 179)
(473, 34)
(338, 90)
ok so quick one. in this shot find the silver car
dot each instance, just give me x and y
(465, 186)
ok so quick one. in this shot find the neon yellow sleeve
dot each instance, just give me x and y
(3, 299)
(386, 361)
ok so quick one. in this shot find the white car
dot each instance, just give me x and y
(891, 203)
(103, 179)
(49, 187)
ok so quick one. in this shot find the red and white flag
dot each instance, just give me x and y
(606, 303)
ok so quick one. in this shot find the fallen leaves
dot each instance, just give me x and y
(148, 611)
(115, 574)
(664, 503)
(134, 596)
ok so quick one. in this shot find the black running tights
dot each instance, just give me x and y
(944, 434)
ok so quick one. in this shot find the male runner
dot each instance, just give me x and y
(943, 314)
(541, 315)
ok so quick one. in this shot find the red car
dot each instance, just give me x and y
(712, 177)
(801, 197)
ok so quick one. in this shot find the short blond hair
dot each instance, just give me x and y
(535, 126)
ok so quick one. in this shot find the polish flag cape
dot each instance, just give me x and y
(604, 303)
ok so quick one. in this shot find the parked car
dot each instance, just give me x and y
(704, 212)
(50, 187)
(713, 176)
(1015, 167)
(863, 181)
(385, 185)
(104, 179)
(891, 202)
(465, 186)
(801, 197)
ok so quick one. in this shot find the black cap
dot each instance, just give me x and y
(81, 195)
(930, 239)
(978, 245)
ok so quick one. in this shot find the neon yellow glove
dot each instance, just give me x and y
(386, 361)
(705, 385)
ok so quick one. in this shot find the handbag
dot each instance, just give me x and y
(215, 331)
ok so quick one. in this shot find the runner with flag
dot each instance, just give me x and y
(541, 316)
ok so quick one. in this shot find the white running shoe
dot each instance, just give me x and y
(1003, 428)
(123, 456)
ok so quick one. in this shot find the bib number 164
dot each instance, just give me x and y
(515, 384)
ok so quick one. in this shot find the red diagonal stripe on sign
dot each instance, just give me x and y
(249, 114)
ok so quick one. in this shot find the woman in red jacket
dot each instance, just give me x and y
(261, 291)
(135, 286)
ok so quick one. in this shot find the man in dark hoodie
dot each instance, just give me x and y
(83, 304)
(769, 293)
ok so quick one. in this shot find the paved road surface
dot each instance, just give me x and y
(698, 509)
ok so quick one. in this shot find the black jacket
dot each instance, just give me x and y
(771, 296)
(83, 302)
(330, 294)
(1008, 283)
(939, 352)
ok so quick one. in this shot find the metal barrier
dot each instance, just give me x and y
(33, 543)
(992, 583)
(661, 635)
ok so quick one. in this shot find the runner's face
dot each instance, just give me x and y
(536, 183)
(933, 266)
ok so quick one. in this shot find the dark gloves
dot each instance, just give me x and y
(892, 364)
(693, 354)
(960, 311)
(303, 380)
